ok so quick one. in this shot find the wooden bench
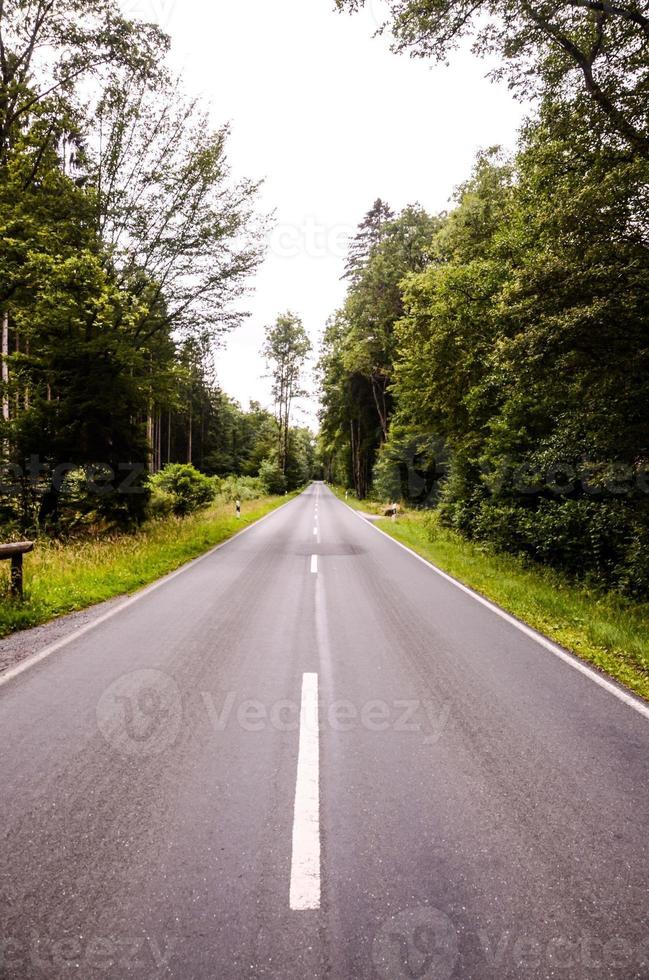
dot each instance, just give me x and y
(15, 552)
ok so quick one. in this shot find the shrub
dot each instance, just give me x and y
(189, 488)
(271, 477)
(602, 540)
(161, 503)
(240, 487)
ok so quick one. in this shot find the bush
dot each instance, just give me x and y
(187, 486)
(602, 540)
(161, 503)
(271, 477)
(409, 467)
(633, 573)
(240, 487)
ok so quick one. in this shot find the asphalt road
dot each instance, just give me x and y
(275, 765)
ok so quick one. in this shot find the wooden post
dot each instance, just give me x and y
(15, 552)
(17, 576)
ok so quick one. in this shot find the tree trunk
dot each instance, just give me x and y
(17, 395)
(149, 440)
(357, 462)
(159, 441)
(27, 392)
(5, 367)
(381, 412)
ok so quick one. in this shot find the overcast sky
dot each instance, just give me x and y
(331, 120)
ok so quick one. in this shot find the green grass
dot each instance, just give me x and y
(600, 627)
(63, 577)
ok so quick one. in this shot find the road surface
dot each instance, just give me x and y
(309, 755)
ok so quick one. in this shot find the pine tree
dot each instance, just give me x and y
(369, 235)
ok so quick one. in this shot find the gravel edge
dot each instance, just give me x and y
(18, 646)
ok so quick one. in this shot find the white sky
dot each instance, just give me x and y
(331, 120)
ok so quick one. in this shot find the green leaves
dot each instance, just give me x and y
(357, 368)
(589, 55)
(126, 246)
(285, 350)
(519, 349)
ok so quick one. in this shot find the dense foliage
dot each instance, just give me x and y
(515, 360)
(126, 248)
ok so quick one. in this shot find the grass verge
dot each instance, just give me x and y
(64, 577)
(599, 627)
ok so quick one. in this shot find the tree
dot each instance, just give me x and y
(356, 369)
(451, 320)
(175, 224)
(300, 463)
(65, 44)
(349, 434)
(579, 48)
(285, 350)
(367, 237)
(374, 303)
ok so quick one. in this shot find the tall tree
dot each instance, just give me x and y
(368, 235)
(349, 434)
(286, 349)
(174, 222)
(357, 364)
(374, 303)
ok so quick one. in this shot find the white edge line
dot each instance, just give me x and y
(36, 658)
(569, 658)
(304, 892)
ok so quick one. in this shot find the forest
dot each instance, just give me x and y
(492, 361)
(127, 249)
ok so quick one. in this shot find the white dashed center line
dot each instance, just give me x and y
(305, 859)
